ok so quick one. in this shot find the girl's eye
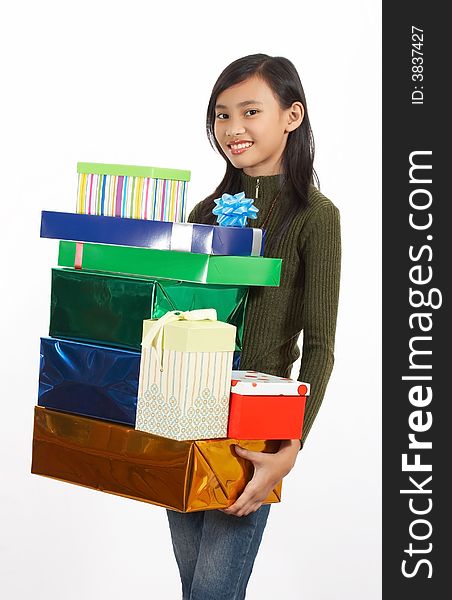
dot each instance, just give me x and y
(222, 116)
(252, 111)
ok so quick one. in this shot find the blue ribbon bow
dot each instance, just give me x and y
(234, 210)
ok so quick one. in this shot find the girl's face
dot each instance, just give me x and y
(252, 128)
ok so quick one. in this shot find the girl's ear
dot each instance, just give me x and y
(295, 115)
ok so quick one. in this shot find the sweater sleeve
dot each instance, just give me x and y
(194, 214)
(321, 254)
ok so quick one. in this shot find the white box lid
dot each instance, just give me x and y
(253, 383)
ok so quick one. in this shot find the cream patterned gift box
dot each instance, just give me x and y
(185, 375)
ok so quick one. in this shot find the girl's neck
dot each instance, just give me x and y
(269, 173)
(262, 175)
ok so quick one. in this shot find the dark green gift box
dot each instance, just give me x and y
(110, 308)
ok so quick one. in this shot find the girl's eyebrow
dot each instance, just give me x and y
(240, 104)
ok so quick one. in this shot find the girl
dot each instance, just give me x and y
(258, 121)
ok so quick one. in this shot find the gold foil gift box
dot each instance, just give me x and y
(186, 476)
(185, 375)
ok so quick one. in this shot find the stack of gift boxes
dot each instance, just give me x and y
(146, 325)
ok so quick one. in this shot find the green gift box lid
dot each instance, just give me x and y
(132, 171)
(169, 264)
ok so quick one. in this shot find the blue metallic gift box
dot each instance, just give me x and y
(159, 235)
(91, 380)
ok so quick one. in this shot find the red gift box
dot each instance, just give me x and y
(266, 407)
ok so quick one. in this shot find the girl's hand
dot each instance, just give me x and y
(269, 469)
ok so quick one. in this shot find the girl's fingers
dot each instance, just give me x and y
(251, 455)
(246, 504)
(249, 509)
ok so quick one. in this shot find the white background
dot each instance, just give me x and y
(129, 82)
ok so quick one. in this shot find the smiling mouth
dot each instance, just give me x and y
(240, 147)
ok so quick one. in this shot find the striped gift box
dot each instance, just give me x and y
(131, 191)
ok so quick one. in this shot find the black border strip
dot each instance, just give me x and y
(416, 326)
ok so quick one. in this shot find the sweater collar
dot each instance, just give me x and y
(263, 188)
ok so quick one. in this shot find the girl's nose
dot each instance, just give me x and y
(234, 129)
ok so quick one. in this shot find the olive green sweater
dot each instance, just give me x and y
(307, 298)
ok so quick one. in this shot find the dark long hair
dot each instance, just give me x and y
(298, 156)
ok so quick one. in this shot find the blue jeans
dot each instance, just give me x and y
(215, 552)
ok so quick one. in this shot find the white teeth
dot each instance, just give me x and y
(241, 146)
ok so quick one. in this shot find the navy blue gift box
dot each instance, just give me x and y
(160, 235)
